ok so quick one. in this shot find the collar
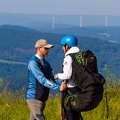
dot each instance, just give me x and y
(38, 56)
(74, 49)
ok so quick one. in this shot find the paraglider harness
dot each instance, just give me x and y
(69, 93)
(88, 80)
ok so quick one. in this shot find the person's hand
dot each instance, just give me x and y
(63, 86)
(55, 76)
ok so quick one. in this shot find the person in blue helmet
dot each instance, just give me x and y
(40, 80)
(69, 45)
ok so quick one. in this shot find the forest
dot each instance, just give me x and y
(17, 46)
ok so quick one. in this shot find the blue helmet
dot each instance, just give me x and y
(69, 40)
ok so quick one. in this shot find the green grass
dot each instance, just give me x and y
(14, 107)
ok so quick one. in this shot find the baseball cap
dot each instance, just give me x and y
(43, 43)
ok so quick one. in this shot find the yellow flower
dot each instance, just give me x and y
(6, 105)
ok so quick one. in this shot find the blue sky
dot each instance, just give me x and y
(75, 7)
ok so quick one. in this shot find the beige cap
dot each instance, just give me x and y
(43, 43)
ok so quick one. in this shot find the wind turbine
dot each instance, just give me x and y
(53, 22)
(106, 21)
(81, 21)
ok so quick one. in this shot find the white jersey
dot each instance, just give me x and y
(67, 67)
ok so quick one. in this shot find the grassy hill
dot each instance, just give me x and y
(17, 46)
(14, 107)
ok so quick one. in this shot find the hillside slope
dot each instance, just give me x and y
(17, 45)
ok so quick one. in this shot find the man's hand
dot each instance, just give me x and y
(63, 86)
(55, 76)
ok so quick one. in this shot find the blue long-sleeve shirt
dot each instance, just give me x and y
(40, 80)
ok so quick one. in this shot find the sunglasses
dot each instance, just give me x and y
(46, 48)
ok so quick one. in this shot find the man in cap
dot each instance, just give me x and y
(41, 78)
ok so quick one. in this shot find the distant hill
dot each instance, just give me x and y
(91, 25)
(17, 46)
(110, 34)
(46, 20)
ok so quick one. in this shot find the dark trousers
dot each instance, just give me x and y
(73, 115)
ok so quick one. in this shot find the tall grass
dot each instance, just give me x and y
(13, 105)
